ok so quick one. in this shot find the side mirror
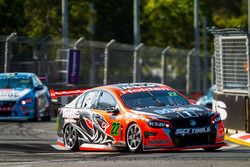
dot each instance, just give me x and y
(114, 110)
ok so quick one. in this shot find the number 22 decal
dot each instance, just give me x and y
(115, 128)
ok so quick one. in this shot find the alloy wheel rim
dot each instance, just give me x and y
(70, 136)
(134, 137)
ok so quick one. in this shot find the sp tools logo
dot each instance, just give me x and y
(190, 131)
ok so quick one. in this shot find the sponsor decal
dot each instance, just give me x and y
(135, 90)
(12, 94)
(172, 94)
(115, 128)
(147, 134)
(190, 131)
(188, 114)
(137, 86)
(194, 109)
(92, 129)
(8, 93)
(163, 111)
(155, 142)
(71, 114)
(157, 124)
(187, 109)
(183, 111)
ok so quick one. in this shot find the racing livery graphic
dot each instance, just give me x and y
(137, 117)
(23, 97)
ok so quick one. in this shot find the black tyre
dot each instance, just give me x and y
(211, 149)
(134, 138)
(47, 116)
(36, 117)
(71, 138)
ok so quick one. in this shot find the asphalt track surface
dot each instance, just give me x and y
(25, 144)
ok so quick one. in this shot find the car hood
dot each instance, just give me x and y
(13, 94)
(173, 112)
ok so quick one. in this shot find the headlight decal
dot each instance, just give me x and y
(159, 124)
(26, 101)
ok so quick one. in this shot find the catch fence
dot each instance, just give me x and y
(47, 59)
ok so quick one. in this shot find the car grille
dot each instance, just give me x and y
(192, 140)
(6, 108)
(185, 123)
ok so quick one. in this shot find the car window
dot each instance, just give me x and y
(105, 101)
(15, 82)
(79, 101)
(37, 81)
(89, 100)
(153, 98)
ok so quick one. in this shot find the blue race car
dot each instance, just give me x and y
(23, 97)
(207, 99)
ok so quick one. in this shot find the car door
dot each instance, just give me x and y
(107, 106)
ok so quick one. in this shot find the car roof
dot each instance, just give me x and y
(127, 88)
(17, 74)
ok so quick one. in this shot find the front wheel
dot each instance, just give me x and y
(71, 138)
(35, 117)
(134, 138)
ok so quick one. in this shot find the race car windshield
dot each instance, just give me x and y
(6, 83)
(153, 98)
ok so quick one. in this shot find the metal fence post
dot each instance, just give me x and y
(135, 70)
(188, 71)
(205, 75)
(248, 65)
(106, 56)
(6, 55)
(35, 59)
(248, 84)
(212, 69)
(163, 64)
(80, 40)
(43, 57)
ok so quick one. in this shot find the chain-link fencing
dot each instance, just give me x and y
(100, 64)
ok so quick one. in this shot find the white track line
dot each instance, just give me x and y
(229, 146)
(58, 147)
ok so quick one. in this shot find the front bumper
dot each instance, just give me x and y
(167, 138)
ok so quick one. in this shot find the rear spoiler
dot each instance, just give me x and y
(59, 93)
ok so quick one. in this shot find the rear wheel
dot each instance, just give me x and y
(71, 138)
(47, 116)
(134, 138)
